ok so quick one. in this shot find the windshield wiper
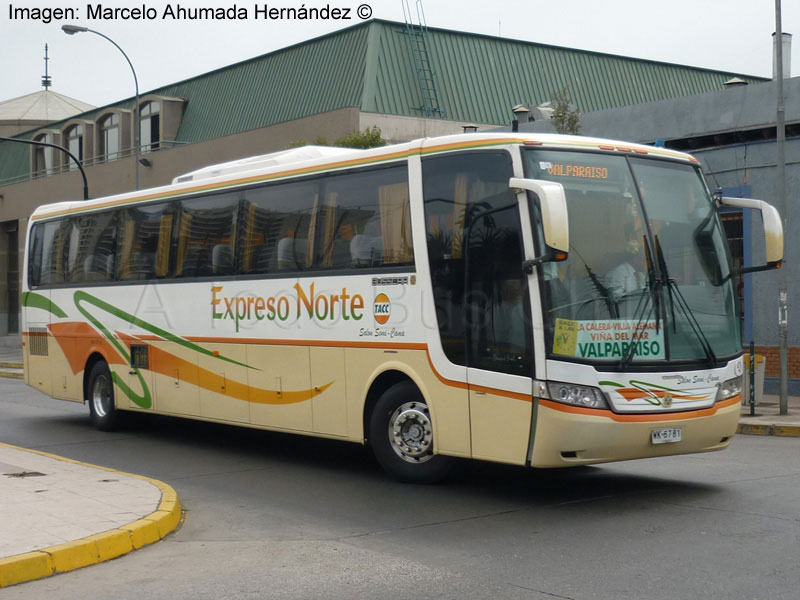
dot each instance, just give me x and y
(605, 293)
(645, 300)
(675, 293)
(653, 300)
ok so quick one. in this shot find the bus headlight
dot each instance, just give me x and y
(577, 395)
(729, 388)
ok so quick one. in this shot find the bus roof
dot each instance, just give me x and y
(308, 160)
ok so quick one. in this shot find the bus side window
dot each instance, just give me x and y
(206, 233)
(364, 220)
(55, 253)
(35, 253)
(144, 235)
(274, 233)
(92, 248)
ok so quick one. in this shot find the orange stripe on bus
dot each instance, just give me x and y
(165, 363)
(315, 343)
(88, 340)
(85, 340)
(641, 418)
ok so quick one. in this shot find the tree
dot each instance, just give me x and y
(369, 138)
(319, 141)
(564, 119)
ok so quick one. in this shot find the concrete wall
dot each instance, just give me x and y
(10, 128)
(403, 129)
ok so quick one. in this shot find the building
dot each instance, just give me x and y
(36, 110)
(407, 81)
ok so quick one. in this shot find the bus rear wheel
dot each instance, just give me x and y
(102, 409)
(401, 435)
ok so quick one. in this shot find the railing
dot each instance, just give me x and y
(92, 161)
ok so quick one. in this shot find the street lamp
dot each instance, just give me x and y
(57, 147)
(72, 30)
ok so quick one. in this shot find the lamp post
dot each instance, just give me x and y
(57, 147)
(783, 298)
(72, 30)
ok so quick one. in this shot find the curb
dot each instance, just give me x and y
(94, 548)
(768, 429)
(11, 374)
(12, 370)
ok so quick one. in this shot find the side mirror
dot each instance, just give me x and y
(773, 230)
(555, 220)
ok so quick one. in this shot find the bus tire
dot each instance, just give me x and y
(102, 409)
(401, 436)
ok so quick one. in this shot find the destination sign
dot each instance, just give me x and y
(609, 339)
(577, 171)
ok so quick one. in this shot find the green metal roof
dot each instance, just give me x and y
(371, 66)
(480, 78)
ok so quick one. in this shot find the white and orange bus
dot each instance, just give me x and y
(530, 299)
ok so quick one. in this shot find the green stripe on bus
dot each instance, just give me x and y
(34, 300)
(81, 296)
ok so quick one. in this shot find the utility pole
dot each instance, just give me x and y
(783, 300)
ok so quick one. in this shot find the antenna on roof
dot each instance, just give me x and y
(47, 81)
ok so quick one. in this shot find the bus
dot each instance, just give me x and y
(538, 300)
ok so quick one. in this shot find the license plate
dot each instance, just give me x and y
(666, 436)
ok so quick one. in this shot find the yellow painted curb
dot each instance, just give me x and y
(12, 375)
(764, 429)
(25, 567)
(752, 429)
(786, 430)
(94, 548)
(11, 365)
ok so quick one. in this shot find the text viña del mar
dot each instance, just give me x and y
(177, 12)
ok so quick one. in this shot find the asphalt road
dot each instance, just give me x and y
(276, 516)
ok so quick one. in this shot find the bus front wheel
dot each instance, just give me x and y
(401, 435)
(102, 410)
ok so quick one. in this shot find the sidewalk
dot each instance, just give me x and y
(767, 421)
(59, 514)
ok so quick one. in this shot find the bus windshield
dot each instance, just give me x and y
(648, 277)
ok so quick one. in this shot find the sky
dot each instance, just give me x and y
(729, 35)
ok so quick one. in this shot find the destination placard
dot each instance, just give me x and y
(609, 339)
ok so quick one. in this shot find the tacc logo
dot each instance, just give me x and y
(382, 308)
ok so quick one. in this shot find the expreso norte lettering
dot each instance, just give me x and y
(325, 306)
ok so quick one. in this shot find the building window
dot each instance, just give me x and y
(109, 138)
(75, 144)
(151, 126)
(43, 156)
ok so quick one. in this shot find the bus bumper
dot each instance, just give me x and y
(565, 437)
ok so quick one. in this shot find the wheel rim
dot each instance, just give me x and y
(101, 396)
(411, 432)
